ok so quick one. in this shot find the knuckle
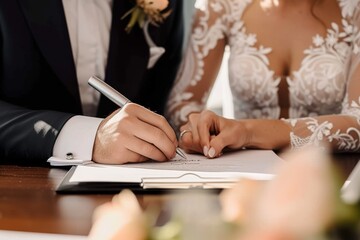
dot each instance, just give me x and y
(125, 124)
(163, 121)
(193, 116)
(162, 158)
(156, 154)
(130, 108)
(219, 143)
(186, 141)
(158, 135)
(126, 108)
(140, 158)
(202, 142)
(207, 114)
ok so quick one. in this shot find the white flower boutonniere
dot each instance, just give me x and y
(147, 10)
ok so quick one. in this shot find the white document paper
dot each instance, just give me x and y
(17, 235)
(255, 164)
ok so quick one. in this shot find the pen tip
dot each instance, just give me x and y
(181, 153)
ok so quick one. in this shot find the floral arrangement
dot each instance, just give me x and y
(301, 202)
(151, 10)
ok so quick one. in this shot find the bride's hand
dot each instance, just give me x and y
(210, 134)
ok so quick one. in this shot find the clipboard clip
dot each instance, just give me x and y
(187, 181)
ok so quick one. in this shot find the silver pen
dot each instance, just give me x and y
(117, 98)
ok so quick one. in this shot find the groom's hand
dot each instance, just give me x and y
(134, 134)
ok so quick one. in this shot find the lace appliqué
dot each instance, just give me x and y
(346, 141)
(203, 40)
(319, 85)
(339, 45)
(319, 132)
(252, 83)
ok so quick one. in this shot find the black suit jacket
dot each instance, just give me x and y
(38, 84)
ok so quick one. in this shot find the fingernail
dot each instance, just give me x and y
(205, 150)
(211, 152)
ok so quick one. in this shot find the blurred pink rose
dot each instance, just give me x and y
(302, 197)
(120, 219)
(267, 234)
(300, 201)
(238, 202)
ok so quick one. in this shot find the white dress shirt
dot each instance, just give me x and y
(89, 23)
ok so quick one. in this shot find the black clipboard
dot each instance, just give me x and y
(66, 186)
(148, 185)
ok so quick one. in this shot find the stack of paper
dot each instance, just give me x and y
(195, 171)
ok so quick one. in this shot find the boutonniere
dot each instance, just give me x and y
(153, 11)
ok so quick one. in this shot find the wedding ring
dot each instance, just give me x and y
(183, 132)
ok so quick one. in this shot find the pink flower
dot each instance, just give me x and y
(238, 202)
(153, 5)
(269, 234)
(120, 219)
(300, 201)
(147, 10)
(302, 197)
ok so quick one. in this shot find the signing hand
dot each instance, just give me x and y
(134, 134)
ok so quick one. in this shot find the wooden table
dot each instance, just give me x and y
(28, 201)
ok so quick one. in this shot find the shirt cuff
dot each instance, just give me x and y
(74, 144)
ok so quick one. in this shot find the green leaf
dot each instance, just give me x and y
(136, 12)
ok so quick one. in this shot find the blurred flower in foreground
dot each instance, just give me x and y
(301, 202)
(120, 219)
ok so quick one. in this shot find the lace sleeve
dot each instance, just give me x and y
(202, 61)
(342, 131)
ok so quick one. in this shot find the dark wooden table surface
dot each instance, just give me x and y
(28, 201)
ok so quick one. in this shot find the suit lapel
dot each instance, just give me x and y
(47, 22)
(128, 53)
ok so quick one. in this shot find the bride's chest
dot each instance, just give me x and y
(312, 57)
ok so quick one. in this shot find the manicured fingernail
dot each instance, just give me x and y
(205, 150)
(211, 152)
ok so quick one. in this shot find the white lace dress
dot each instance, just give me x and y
(324, 92)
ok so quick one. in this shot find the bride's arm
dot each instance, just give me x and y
(211, 133)
(200, 65)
